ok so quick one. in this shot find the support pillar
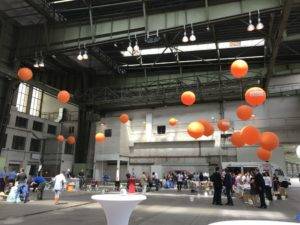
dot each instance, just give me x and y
(118, 170)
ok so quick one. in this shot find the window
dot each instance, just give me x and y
(71, 130)
(35, 145)
(51, 129)
(18, 143)
(21, 122)
(161, 129)
(4, 141)
(36, 99)
(69, 149)
(22, 98)
(37, 126)
(107, 133)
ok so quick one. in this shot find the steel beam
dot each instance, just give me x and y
(66, 36)
(40, 10)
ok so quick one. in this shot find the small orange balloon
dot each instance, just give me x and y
(255, 96)
(263, 154)
(195, 129)
(236, 139)
(188, 98)
(124, 118)
(71, 140)
(60, 138)
(244, 112)
(250, 135)
(100, 137)
(223, 125)
(25, 74)
(172, 122)
(269, 141)
(239, 68)
(208, 128)
(63, 96)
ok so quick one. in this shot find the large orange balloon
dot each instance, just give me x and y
(100, 137)
(208, 128)
(25, 74)
(195, 129)
(237, 140)
(269, 141)
(188, 98)
(250, 135)
(63, 96)
(223, 125)
(244, 112)
(60, 138)
(239, 68)
(263, 154)
(71, 140)
(124, 118)
(255, 96)
(172, 122)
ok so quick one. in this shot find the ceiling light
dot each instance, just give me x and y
(192, 37)
(42, 64)
(250, 27)
(36, 64)
(129, 48)
(136, 48)
(298, 151)
(80, 57)
(85, 55)
(259, 25)
(185, 39)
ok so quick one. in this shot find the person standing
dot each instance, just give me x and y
(179, 181)
(268, 184)
(2, 179)
(23, 189)
(144, 182)
(260, 185)
(217, 183)
(81, 179)
(59, 183)
(228, 187)
(40, 181)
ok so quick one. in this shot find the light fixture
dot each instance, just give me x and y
(185, 39)
(85, 55)
(298, 151)
(36, 64)
(259, 25)
(192, 37)
(136, 48)
(129, 48)
(41, 63)
(250, 27)
(80, 57)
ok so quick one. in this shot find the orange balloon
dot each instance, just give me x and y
(208, 128)
(60, 138)
(263, 154)
(100, 137)
(250, 135)
(172, 122)
(237, 140)
(71, 140)
(124, 118)
(223, 125)
(244, 112)
(195, 129)
(63, 96)
(239, 68)
(255, 96)
(269, 141)
(188, 98)
(25, 74)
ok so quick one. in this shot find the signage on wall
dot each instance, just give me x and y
(35, 156)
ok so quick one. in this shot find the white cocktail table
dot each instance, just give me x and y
(118, 207)
(253, 222)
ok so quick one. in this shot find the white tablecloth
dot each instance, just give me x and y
(253, 222)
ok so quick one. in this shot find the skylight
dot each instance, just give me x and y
(199, 47)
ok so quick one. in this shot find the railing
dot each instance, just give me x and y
(68, 116)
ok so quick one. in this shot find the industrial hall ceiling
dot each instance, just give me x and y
(114, 55)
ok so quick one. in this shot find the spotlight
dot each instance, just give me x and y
(80, 57)
(85, 55)
(192, 37)
(259, 25)
(136, 48)
(207, 28)
(42, 64)
(129, 48)
(250, 27)
(185, 39)
(36, 64)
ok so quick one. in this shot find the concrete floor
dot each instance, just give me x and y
(163, 208)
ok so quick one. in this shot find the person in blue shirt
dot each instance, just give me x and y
(40, 181)
(2, 179)
(12, 177)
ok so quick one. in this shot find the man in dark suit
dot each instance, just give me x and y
(228, 187)
(217, 181)
(260, 186)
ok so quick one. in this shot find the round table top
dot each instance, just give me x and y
(119, 197)
(253, 222)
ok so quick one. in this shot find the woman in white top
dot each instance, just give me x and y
(59, 183)
(268, 185)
